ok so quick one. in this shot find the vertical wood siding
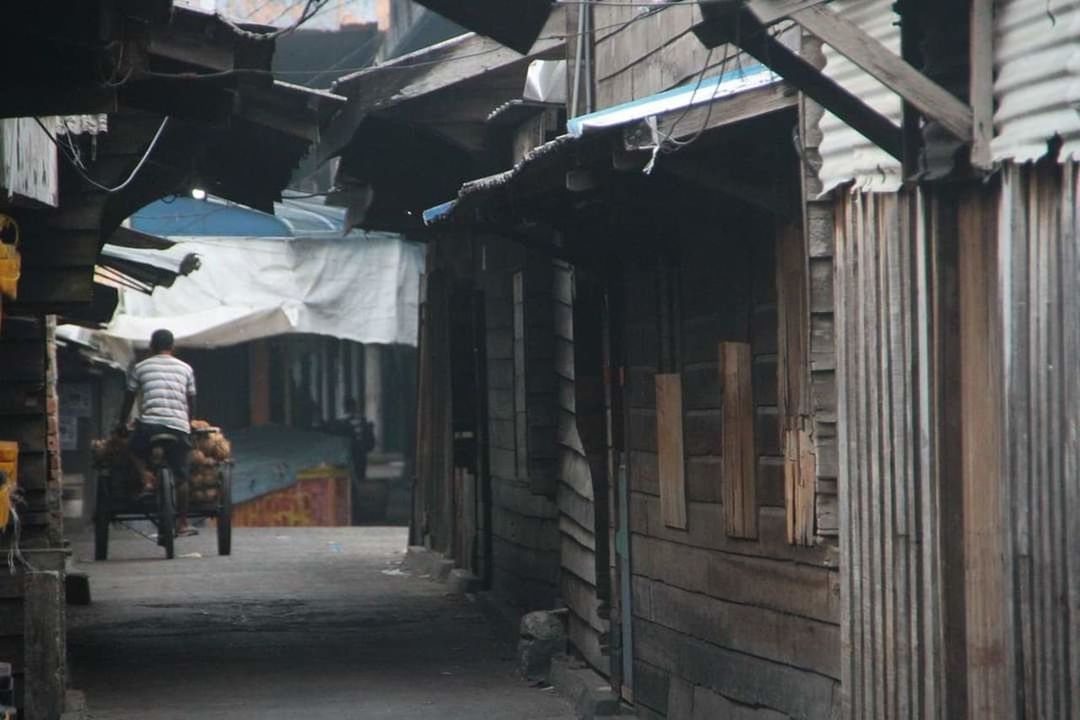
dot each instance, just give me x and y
(1040, 307)
(890, 590)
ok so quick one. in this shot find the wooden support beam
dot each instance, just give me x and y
(982, 82)
(851, 41)
(754, 38)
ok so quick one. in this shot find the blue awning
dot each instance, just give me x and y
(439, 212)
(670, 103)
(675, 100)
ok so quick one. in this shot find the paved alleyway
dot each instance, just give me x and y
(298, 623)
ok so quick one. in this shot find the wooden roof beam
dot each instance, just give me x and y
(848, 39)
(885, 66)
(752, 35)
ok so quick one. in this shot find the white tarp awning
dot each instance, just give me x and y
(363, 287)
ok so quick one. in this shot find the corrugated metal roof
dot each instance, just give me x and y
(846, 154)
(1037, 78)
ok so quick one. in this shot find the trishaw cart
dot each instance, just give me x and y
(120, 498)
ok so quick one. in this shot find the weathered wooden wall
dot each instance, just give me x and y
(1039, 306)
(524, 513)
(958, 330)
(890, 514)
(582, 496)
(642, 51)
(723, 622)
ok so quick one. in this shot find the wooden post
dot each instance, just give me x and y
(739, 459)
(982, 82)
(259, 387)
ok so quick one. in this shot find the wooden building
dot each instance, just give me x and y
(766, 374)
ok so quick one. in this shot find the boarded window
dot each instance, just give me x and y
(671, 459)
(521, 419)
(739, 458)
(669, 445)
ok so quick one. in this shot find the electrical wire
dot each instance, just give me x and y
(85, 176)
(670, 144)
(311, 9)
(306, 195)
(376, 38)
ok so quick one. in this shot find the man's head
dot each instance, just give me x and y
(161, 342)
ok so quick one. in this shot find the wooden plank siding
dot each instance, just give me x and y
(957, 338)
(1039, 308)
(643, 51)
(580, 575)
(525, 513)
(893, 357)
(749, 625)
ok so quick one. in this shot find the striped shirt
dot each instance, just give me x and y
(164, 384)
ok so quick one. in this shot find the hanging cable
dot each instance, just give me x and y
(85, 176)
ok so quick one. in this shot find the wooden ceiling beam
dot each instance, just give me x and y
(885, 66)
(744, 28)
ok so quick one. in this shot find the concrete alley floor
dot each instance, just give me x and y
(311, 623)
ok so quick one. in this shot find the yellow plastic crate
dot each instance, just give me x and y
(10, 260)
(9, 469)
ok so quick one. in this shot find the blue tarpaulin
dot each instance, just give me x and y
(268, 458)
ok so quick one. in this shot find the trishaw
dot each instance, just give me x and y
(120, 498)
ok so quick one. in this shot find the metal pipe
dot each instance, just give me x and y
(587, 40)
(577, 61)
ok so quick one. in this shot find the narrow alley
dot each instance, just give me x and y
(298, 622)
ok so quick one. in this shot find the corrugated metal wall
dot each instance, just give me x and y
(1039, 256)
(891, 591)
(1037, 78)
(1036, 89)
(846, 154)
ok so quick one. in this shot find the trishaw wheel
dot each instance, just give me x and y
(224, 518)
(101, 519)
(166, 520)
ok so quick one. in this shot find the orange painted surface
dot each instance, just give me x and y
(319, 498)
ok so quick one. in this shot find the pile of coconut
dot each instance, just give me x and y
(211, 449)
